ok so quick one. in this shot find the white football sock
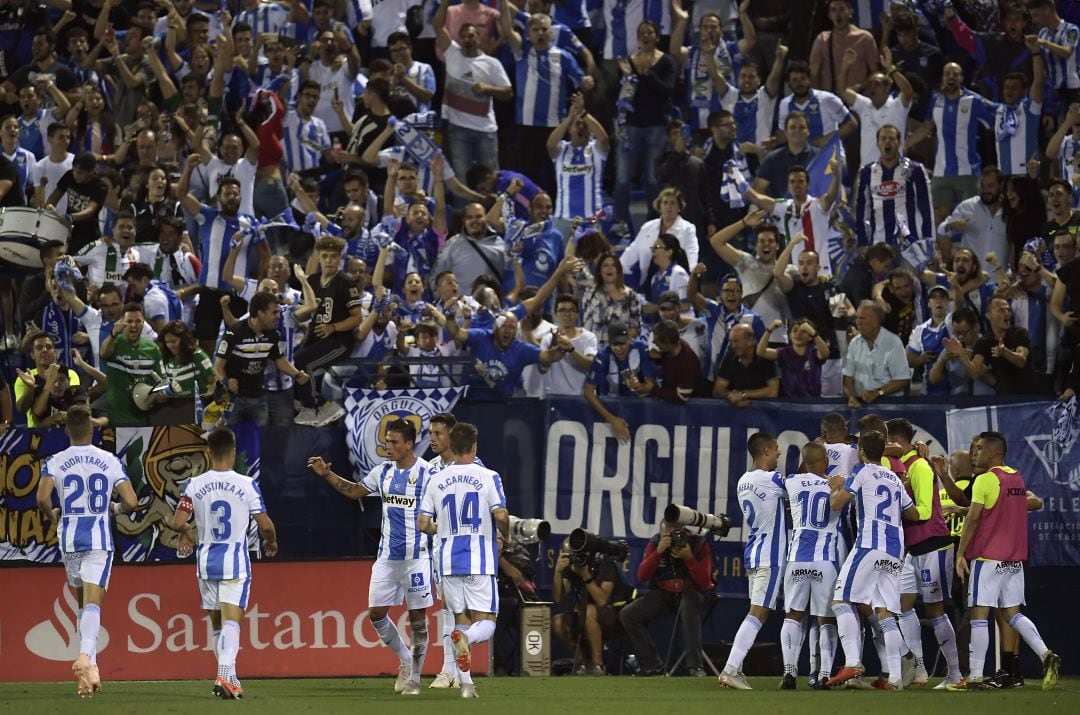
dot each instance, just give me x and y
(1027, 630)
(847, 625)
(946, 638)
(391, 637)
(449, 664)
(879, 639)
(89, 625)
(980, 641)
(828, 650)
(480, 631)
(229, 645)
(418, 630)
(911, 629)
(789, 645)
(744, 640)
(894, 646)
(813, 634)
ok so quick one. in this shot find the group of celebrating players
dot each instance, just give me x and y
(869, 539)
(453, 498)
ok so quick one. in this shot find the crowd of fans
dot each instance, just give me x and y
(256, 191)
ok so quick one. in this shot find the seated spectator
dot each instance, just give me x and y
(567, 375)
(815, 298)
(678, 370)
(760, 290)
(622, 368)
(41, 394)
(669, 203)
(721, 317)
(876, 362)
(692, 330)
(953, 370)
(501, 355)
(1002, 357)
(800, 363)
(925, 344)
(606, 300)
(678, 579)
(668, 271)
(743, 376)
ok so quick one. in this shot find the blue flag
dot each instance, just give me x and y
(820, 175)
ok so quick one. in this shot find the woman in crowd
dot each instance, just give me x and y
(668, 270)
(187, 365)
(606, 299)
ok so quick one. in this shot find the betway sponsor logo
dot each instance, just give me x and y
(399, 500)
(58, 637)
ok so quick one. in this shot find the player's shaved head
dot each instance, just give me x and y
(462, 438)
(221, 443)
(994, 443)
(834, 424)
(814, 453)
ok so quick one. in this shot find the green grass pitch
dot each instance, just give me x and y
(510, 696)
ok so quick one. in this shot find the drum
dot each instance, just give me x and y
(23, 230)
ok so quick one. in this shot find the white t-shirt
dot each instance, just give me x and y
(243, 170)
(329, 78)
(533, 381)
(461, 107)
(565, 377)
(871, 119)
(46, 168)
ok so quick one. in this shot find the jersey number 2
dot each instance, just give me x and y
(887, 496)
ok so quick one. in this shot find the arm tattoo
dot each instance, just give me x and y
(346, 487)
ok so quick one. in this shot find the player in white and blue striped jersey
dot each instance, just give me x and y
(870, 576)
(761, 495)
(441, 424)
(402, 568)
(84, 478)
(223, 503)
(813, 560)
(464, 508)
(265, 17)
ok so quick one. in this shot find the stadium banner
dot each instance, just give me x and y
(158, 460)
(368, 414)
(153, 627)
(689, 454)
(1050, 465)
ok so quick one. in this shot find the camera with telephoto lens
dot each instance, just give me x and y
(528, 531)
(584, 546)
(678, 539)
(692, 519)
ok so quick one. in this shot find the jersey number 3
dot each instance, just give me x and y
(222, 512)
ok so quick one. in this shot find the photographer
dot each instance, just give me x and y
(678, 569)
(590, 591)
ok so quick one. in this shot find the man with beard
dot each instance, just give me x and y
(501, 355)
(622, 368)
(1029, 298)
(979, 221)
(1002, 357)
(957, 115)
(894, 195)
(721, 317)
(477, 250)
(129, 358)
(759, 289)
(771, 177)
(85, 193)
(970, 286)
(216, 229)
(825, 112)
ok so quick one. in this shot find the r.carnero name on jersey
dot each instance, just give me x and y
(152, 630)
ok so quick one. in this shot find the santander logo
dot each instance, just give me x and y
(58, 637)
